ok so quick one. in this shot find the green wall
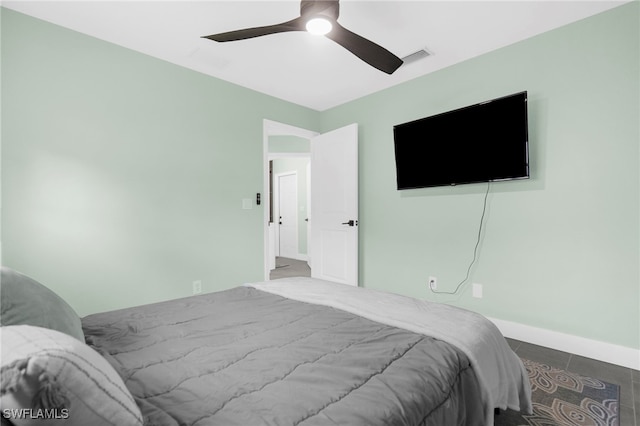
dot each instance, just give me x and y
(123, 178)
(123, 175)
(559, 251)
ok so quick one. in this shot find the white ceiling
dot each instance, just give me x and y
(311, 70)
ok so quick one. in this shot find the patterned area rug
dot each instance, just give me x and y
(564, 398)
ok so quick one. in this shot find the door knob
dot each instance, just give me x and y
(351, 223)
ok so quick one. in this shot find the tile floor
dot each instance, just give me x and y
(627, 378)
(286, 267)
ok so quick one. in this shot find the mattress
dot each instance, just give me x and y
(256, 355)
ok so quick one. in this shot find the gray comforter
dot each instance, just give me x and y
(248, 357)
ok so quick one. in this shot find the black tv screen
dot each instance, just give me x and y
(478, 143)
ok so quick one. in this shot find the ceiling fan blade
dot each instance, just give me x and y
(293, 25)
(373, 54)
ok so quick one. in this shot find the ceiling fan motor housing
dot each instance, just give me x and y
(312, 8)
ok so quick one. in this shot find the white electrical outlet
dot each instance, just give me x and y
(433, 283)
(197, 287)
(477, 290)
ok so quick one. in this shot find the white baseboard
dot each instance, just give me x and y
(602, 351)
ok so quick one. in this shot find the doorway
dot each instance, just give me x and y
(333, 213)
(290, 202)
(287, 153)
(286, 206)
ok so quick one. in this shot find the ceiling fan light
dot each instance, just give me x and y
(319, 26)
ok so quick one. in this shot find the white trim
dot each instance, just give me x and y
(603, 351)
(272, 246)
(274, 128)
(308, 212)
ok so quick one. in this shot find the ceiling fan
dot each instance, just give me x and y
(321, 17)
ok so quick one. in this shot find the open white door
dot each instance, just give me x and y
(334, 205)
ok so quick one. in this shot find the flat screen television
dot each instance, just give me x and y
(478, 143)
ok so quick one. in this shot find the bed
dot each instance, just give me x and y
(296, 351)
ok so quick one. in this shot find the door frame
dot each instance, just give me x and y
(274, 128)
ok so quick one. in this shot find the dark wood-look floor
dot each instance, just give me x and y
(628, 379)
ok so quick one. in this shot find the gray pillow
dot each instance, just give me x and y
(44, 369)
(26, 301)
